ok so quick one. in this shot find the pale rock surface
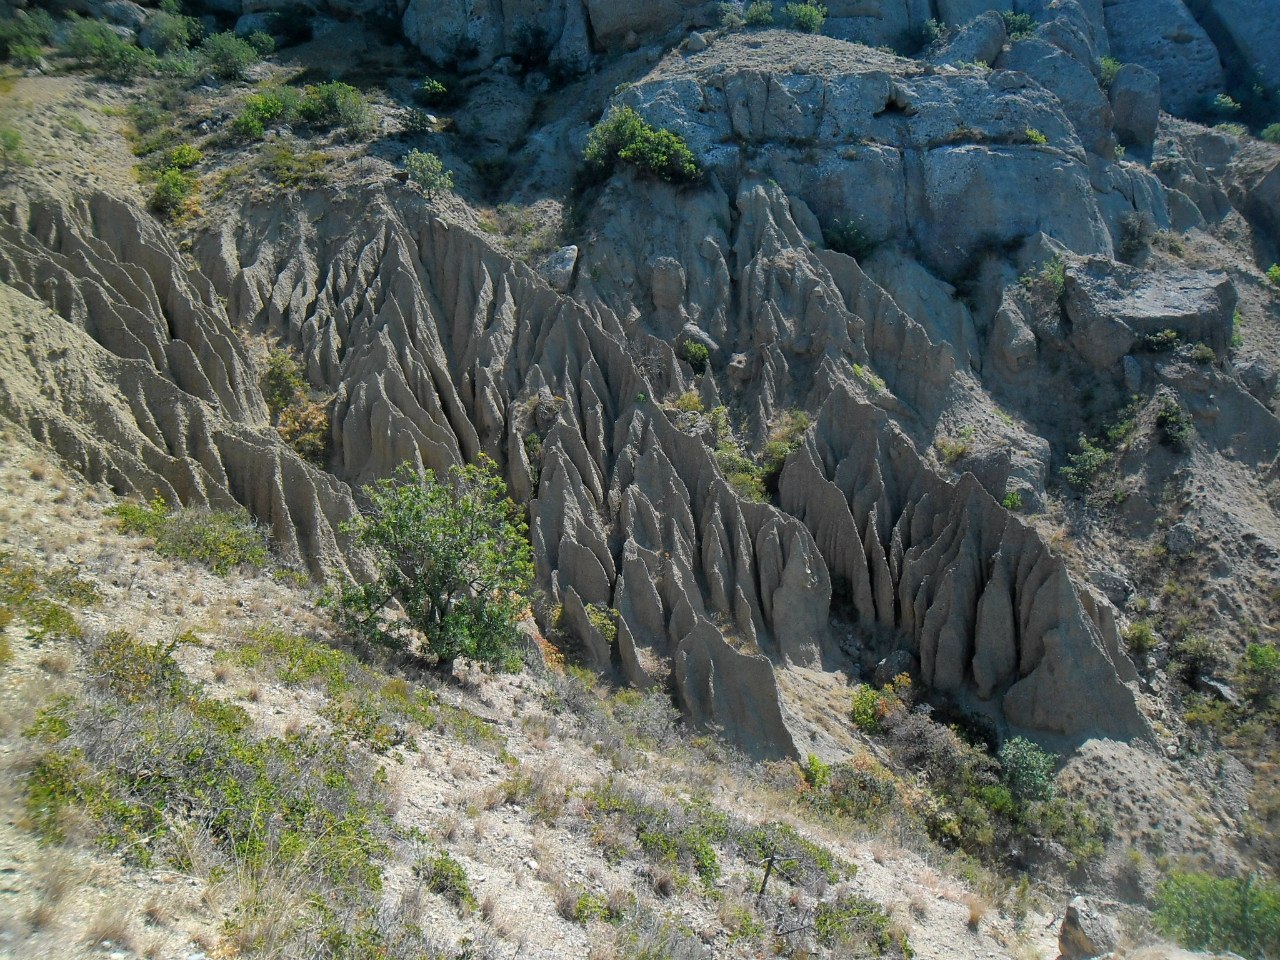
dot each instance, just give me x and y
(1086, 932)
(1164, 37)
(1135, 106)
(1112, 306)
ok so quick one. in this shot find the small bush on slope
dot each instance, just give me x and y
(221, 540)
(623, 136)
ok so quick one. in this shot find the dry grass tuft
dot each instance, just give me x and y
(111, 927)
(978, 908)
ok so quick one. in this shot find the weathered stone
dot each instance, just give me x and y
(980, 41)
(1135, 106)
(559, 267)
(1086, 932)
(1111, 306)
(1164, 37)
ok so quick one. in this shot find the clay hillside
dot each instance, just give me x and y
(667, 479)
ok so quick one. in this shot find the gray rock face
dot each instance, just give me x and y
(1164, 37)
(1086, 932)
(1135, 106)
(981, 40)
(940, 162)
(1111, 306)
(481, 32)
(1071, 81)
(1252, 29)
(140, 382)
(987, 609)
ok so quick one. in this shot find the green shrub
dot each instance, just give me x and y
(157, 769)
(870, 707)
(807, 17)
(1012, 500)
(428, 172)
(1140, 638)
(847, 237)
(623, 136)
(11, 152)
(1202, 353)
(1175, 425)
(695, 354)
(1086, 464)
(759, 13)
(1027, 770)
(785, 436)
(1050, 278)
(41, 601)
(605, 622)
(182, 157)
(453, 554)
(1161, 342)
(1034, 136)
(731, 16)
(414, 122)
(305, 426)
(337, 105)
(1224, 105)
(1203, 912)
(1271, 133)
(282, 381)
(1259, 670)
(30, 32)
(1273, 274)
(1108, 68)
(259, 110)
(262, 43)
(431, 92)
(221, 540)
(854, 921)
(446, 876)
(173, 193)
(94, 44)
(1018, 26)
(1238, 130)
(290, 167)
(227, 56)
(302, 423)
(741, 473)
(173, 33)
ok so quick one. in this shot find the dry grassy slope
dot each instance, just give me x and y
(55, 900)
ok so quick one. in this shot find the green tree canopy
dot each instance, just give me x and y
(453, 565)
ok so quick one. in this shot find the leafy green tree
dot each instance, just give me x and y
(453, 565)
(1028, 770)
(428, 172)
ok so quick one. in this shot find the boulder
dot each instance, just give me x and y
(558, 268)
(1086, 932)
(1135, 107)
(1112, 306)
(1069, 79)
(122, 13)
(1164, 37)
(981, 40)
